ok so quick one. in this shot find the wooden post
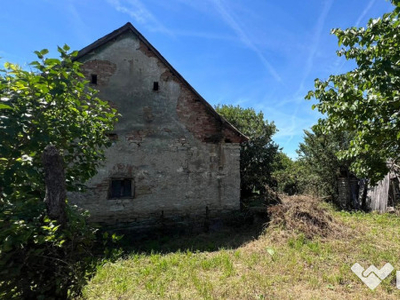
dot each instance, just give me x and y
(362, 194)
(55, 184)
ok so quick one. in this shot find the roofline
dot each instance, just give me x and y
(129, 27)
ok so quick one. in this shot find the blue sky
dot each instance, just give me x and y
(263, 54)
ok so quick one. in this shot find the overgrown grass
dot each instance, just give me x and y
(279, 264)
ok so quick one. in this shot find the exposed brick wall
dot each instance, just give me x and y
(102, 68)
(200, 121)
(137, 136)
(167, 76)
(193, 112)
(146, 50)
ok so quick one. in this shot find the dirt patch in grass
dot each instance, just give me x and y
(305, 215)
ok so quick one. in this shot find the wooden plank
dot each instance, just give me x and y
(378, 196)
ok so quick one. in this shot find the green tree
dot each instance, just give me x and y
(283, 174)
(290, 175)
(322, 167)
(366, 100)
(51, 104)
(258, 154)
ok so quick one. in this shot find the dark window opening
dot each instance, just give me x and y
(112, 136)
(155, 86)
(121, 188)
(93, 79)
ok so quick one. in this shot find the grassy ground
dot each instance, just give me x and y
(306, 253)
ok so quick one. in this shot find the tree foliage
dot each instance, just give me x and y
(50, 104)
(366, 100)
(318, 155)
(283, 174)
(317, 169)
(258, 154)
(291, 176)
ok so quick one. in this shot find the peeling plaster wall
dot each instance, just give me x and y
(180, 159)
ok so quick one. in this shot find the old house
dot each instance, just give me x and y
(172, 154)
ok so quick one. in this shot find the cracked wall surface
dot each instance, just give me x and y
(179, 156)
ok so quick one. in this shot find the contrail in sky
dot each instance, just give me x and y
(234, 25)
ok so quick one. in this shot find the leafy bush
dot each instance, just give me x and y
(51, 104)
(39, 259)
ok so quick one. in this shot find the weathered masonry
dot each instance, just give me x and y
(172, 154)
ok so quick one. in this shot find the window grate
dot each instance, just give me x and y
(121, 188)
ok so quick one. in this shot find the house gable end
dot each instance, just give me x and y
(171, 153)
(194, 111)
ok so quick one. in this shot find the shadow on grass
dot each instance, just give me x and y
(229, 235)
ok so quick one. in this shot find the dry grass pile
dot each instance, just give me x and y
(305, 215)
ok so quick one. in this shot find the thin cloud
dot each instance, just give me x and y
(234, 25)
(204, 35)
(290, 127)
(315, 43)
(365, 11)
(319, 27)
(138, 11)
(341, 61)
(77, 22)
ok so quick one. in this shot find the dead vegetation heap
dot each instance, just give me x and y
(305, 215)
